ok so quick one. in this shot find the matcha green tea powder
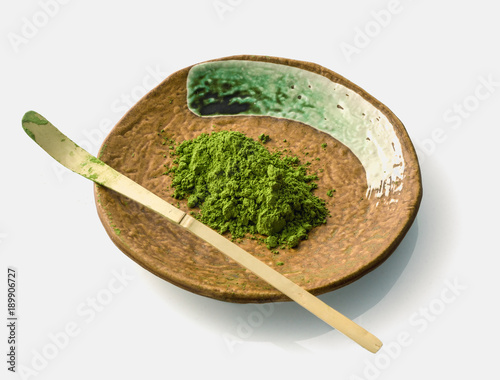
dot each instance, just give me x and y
(242, 188)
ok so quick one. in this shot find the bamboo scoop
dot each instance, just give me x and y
(81, 162)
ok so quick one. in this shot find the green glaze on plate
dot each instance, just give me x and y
(242, 87)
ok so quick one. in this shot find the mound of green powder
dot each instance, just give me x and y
(242, 188)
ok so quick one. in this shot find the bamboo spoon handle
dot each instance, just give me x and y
(284, 285)
(81, 162)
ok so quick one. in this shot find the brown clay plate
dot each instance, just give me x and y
(368, 159)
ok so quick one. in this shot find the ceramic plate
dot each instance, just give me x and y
(355, 144)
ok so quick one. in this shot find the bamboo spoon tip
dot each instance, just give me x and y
(32, 117)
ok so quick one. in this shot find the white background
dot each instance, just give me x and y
(83, 63)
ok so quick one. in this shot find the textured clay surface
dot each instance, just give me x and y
(360, 234)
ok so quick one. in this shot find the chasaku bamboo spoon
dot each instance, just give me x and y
(70, 155)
